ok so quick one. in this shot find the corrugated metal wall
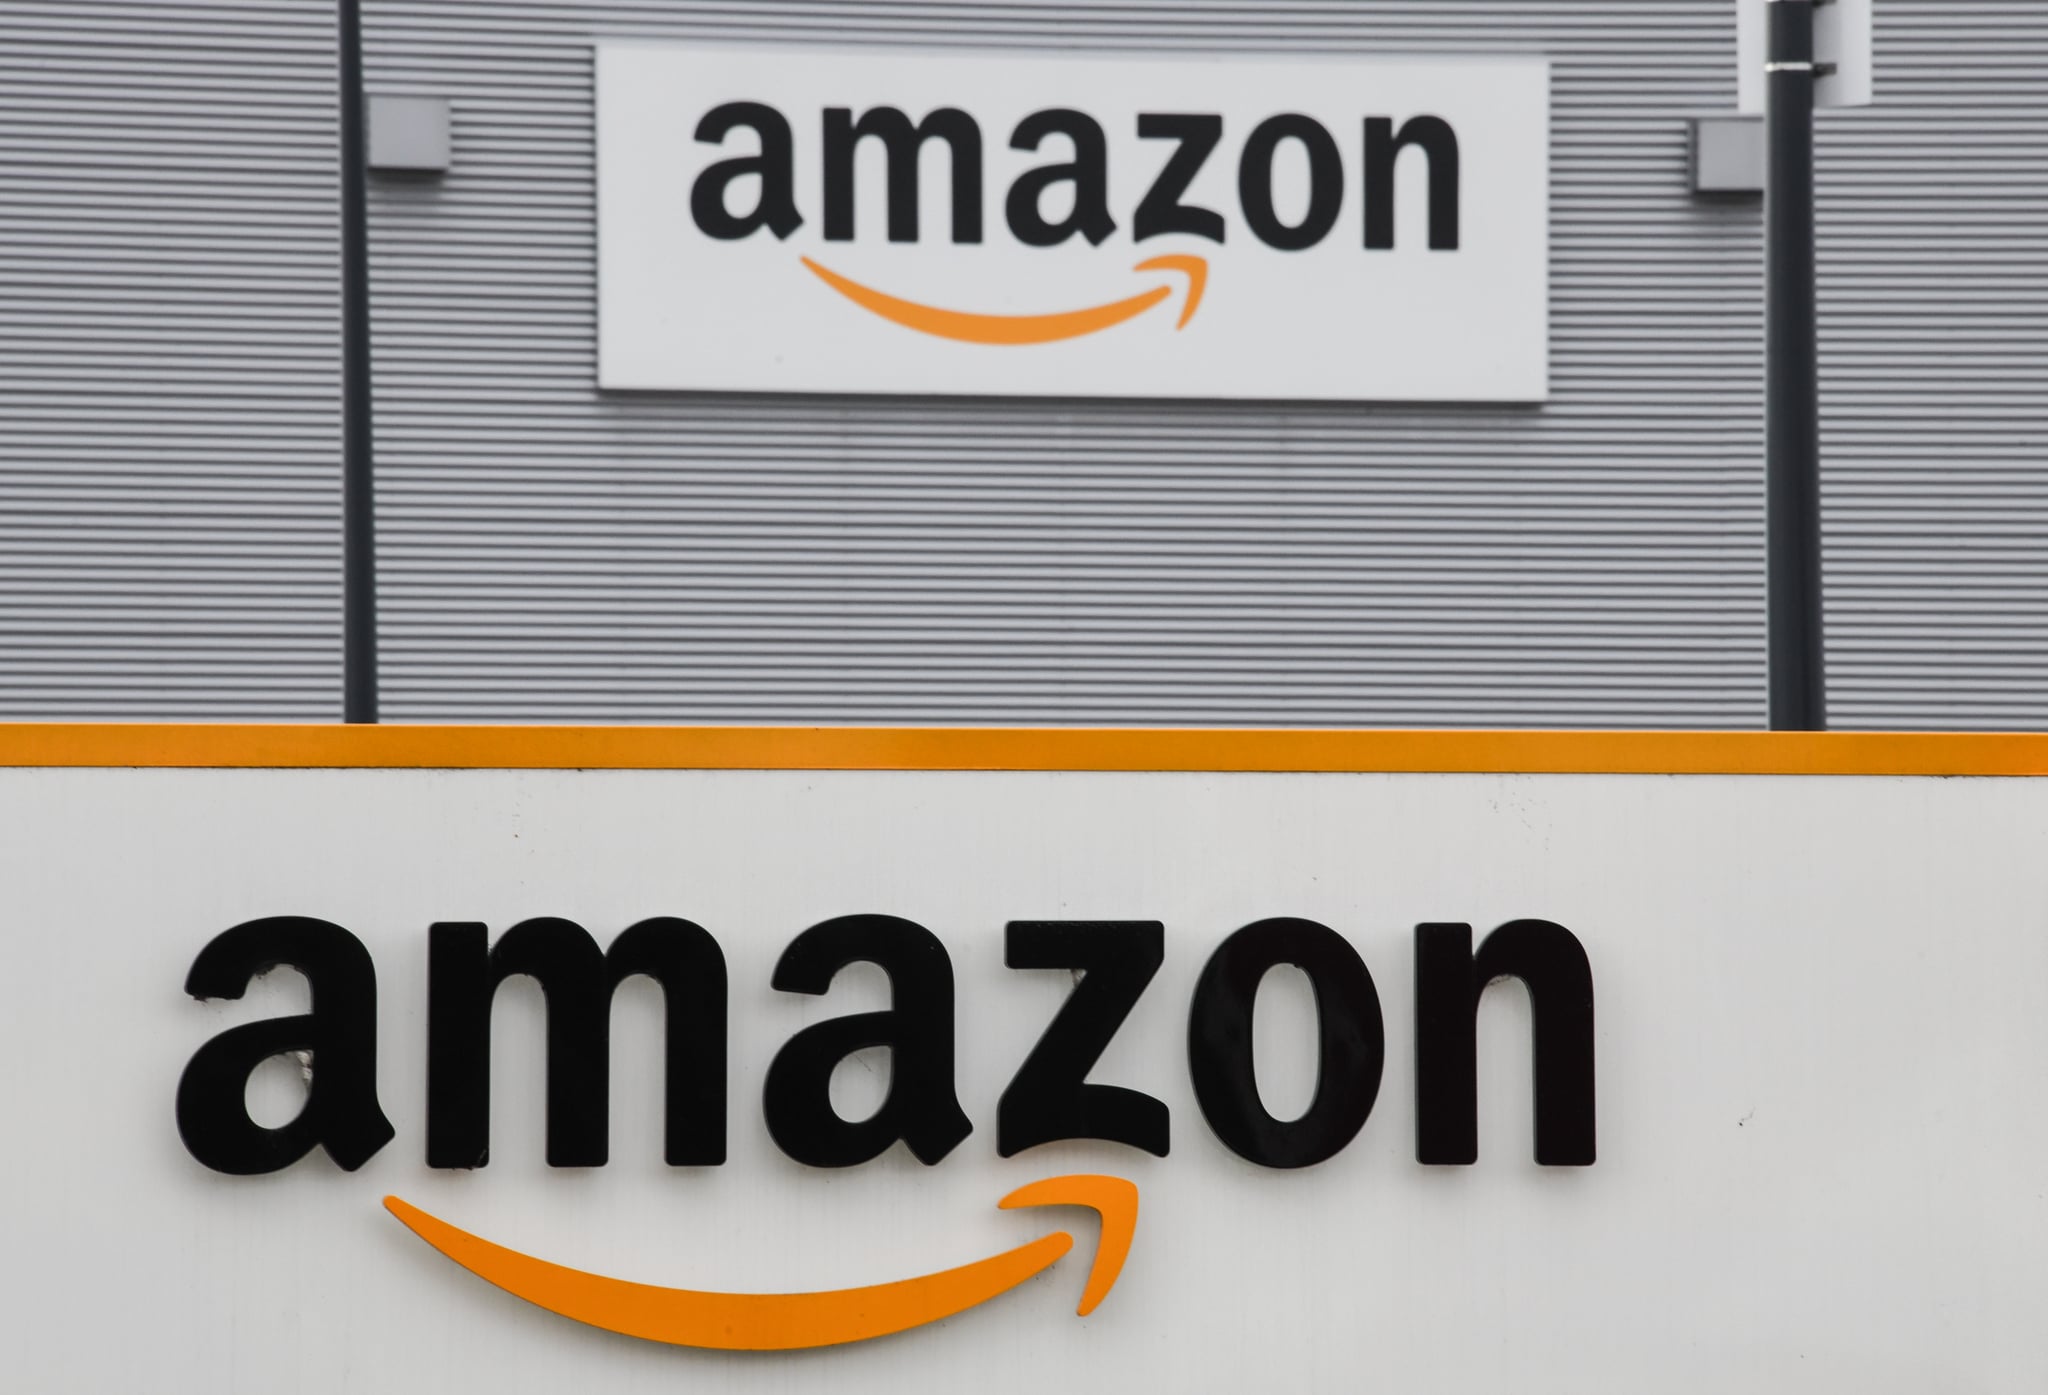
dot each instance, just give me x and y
(1934, 258)
(553, 553)
(168, 392)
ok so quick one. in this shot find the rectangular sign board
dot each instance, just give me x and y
(1844, 42)
(892, 221)
(1803, 1149)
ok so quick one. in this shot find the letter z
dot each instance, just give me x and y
(1049, 1098)
(1161, 210)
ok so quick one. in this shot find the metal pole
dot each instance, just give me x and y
(1798, 671)
(358, 480)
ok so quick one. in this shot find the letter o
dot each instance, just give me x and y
(1351, 1043)
(1325, 182)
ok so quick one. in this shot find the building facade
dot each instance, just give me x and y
(170, 421)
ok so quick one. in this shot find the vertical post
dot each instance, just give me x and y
(1798, 680)
(358, 481)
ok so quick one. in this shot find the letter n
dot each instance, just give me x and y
(1449, 979)
(1439, 144)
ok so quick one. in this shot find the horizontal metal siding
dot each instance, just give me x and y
(169, 433)
(550, 552)
(1935, 359)
(168, 422)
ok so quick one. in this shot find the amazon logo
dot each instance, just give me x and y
(1046, 205)
(1049, 1097)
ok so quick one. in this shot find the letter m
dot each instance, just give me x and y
(577, 980)
(904, 143)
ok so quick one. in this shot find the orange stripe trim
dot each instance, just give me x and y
(1059, 748)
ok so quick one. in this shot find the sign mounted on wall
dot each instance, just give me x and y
(1844, 42)
(921, 223)
(863, 1060)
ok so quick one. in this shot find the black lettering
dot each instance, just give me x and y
(1161, 210)
(903, 142)
(1325, 182)
(578, 981)
(1439, 143)
(775, 208)
(1050, 1099)
(341, 1113)
(1352, 1043)
(1088, 172)
(1449, 980)
(921, 1108)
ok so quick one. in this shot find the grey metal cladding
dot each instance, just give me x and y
(553, 553)
(168, 390)
(1934, 334)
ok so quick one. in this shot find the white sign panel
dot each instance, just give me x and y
(1789, 1054)
(856, 221)
(1844, 37)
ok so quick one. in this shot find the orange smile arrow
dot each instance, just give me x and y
(790, 1321)
(1023, 329)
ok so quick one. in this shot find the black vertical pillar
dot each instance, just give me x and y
(1798, 683)
(358, 497)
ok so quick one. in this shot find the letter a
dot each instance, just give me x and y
(341, 1112)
